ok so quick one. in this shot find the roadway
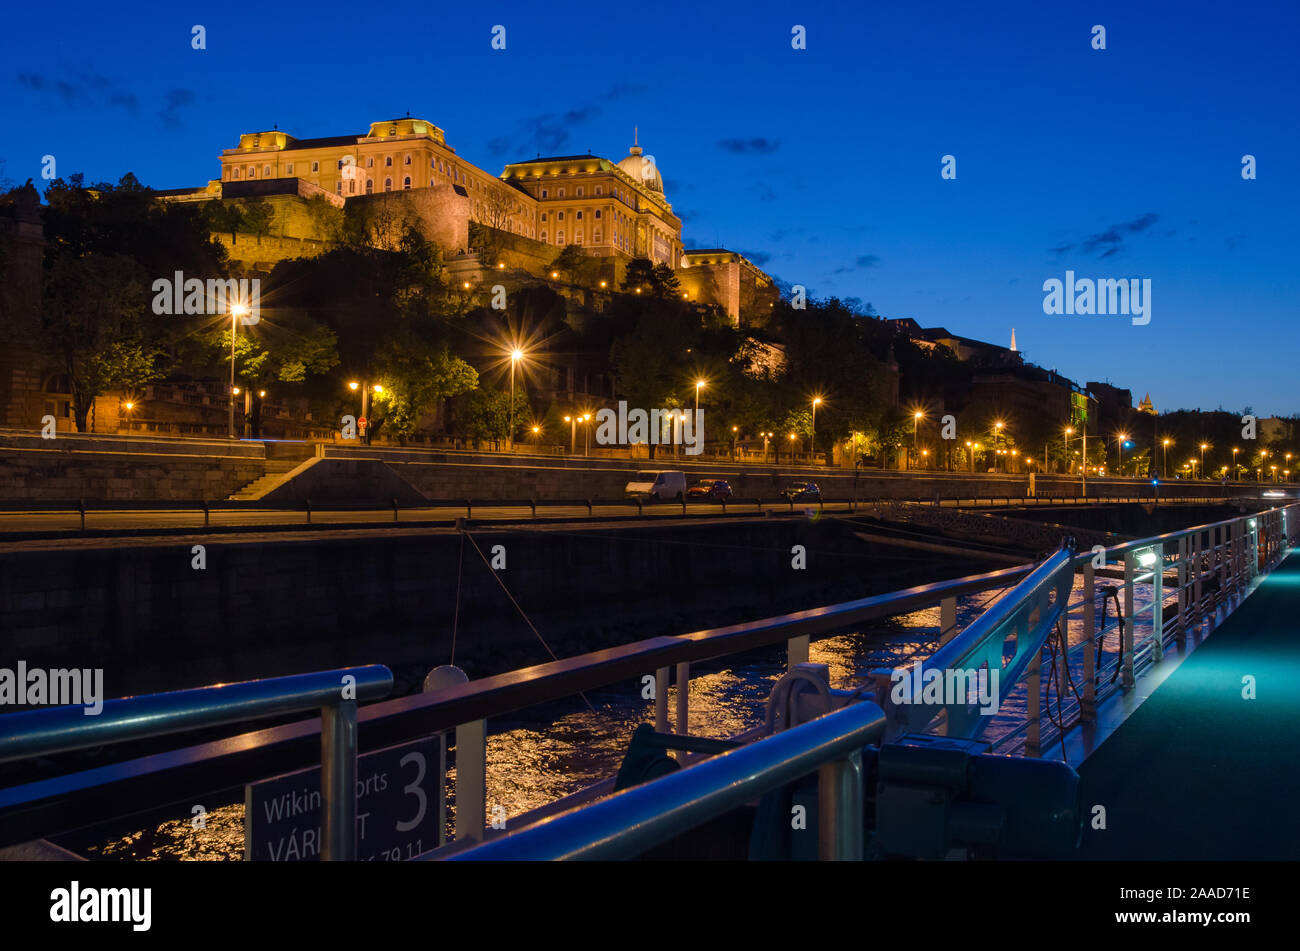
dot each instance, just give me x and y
(34, 519)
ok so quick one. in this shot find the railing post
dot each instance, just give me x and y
(1198, 608)
(839, 810)
(1033, 687)
(338, 781)
(796, 652)
(1130, 613)
(1158, 605)
(1224, 591)
(471, 780)
(1182, 590)
(661, 700)
(1088, 707)
(683, 698)
(947, 620)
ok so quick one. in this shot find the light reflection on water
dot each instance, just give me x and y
(550, 752)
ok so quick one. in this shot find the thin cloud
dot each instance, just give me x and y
(754, 146)
(1110, 242)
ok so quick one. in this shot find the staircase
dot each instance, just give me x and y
(275, 472)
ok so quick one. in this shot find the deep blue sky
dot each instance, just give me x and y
(822, 165)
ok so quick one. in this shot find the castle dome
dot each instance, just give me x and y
(642, 168)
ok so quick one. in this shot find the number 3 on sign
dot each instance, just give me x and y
(413, 788)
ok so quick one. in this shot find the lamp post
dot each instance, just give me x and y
(1204, 446)
(1165, 443)
(1236, 475)
(734, 431)
(916, 423)
(236, 311)
(1121, 438)
(586, 434)
(813, 442)
(573, 433)
(515, 356)
(766, 437)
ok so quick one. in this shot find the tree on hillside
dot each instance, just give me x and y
(95, 327)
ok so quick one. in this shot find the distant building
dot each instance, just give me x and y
(965, 348)
(730, 280)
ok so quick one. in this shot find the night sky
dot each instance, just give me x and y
(822, 165)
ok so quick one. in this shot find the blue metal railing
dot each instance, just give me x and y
(630, 822)
(336, 693)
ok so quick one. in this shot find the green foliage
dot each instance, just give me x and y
(484, 414)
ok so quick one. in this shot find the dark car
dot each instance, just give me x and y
(802, 490)
(710, 489)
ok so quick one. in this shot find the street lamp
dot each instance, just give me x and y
(916, 423)
(1121, 438)
(515, 356)
(1236, 476)
(236, 311)
(813, 442)
(1164, 468)
(586, 434)
(766, 437)
(573, 433)
(1204, 446)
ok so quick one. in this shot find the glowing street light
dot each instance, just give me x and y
(1236, 476)
(515, 356)
(813, 443)
(1204, 446)
(236, 311)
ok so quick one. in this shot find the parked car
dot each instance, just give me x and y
(710, 489)
(662, 484)
(796, 491)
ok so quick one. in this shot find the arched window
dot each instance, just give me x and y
(388, 161)
(406, 182)
(388, 184)
(407, 161)
(370, 162)
(370, 186)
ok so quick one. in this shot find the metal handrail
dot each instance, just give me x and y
(636, 819)
(336, 693)
(156, 780)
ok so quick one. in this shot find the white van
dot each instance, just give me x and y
(663, 484)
